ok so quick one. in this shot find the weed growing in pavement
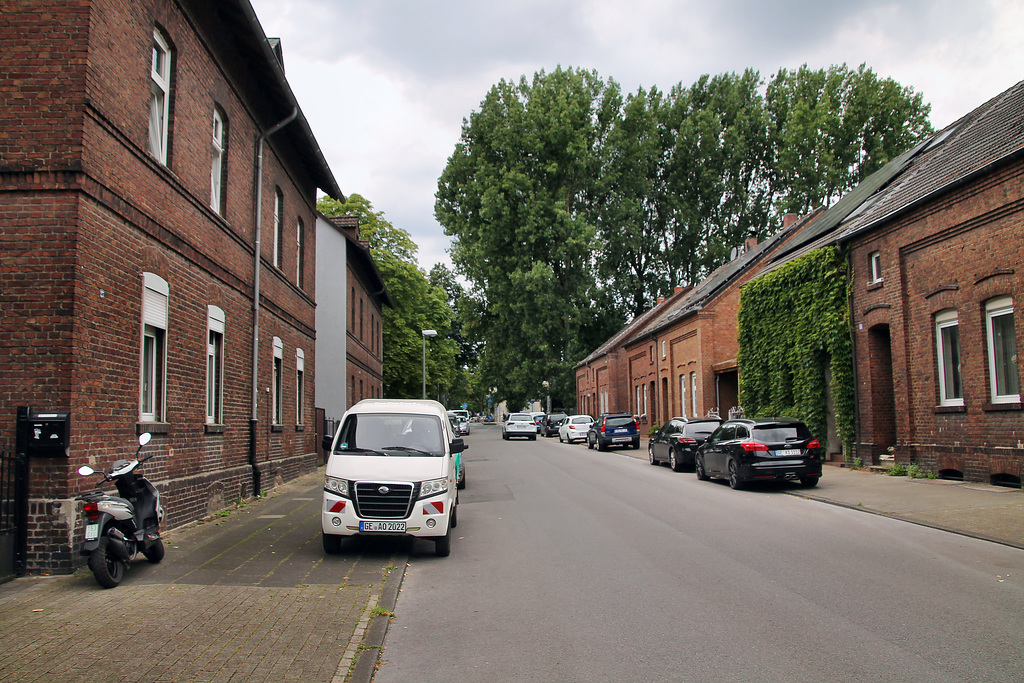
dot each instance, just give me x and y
(858, 463)
(380, 611)
(915, 471)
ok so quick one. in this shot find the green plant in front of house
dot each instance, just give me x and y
(914, 471)
(654, 429)
(898, 470)
(794, 332)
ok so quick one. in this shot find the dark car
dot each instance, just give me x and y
(614, 429)
(677, 442)
(760, 449)
(550, 423)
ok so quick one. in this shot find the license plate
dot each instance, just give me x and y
(788, 452)
(622, 438)
(387, 527)
(92, 532)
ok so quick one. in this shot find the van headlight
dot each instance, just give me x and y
(338, 487)
(432, 487)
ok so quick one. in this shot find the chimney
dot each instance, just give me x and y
(751, 241)
(347, 224)
(678, 289)
(661, 300)
(789, 219)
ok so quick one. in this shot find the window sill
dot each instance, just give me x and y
(1002, 407)
(875, 285)
(942, 410)
(152, 428)
(300, 428)
(214, 428)
(276, 428)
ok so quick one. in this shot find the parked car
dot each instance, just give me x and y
(519, 424)
(460, 419)
(537, 417)
(393, 469)
(760, 449)
(574, 428)
(678, 440)
(614, 429)
(549, 423)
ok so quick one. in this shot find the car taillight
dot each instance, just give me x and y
(814, 444)
(92, 510)
(754, 446)
(685, 439)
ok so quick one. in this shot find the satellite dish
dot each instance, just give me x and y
(734, 253)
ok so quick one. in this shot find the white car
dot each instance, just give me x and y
(574, 428)
(394, 469)
(537, 417)
(519, 424)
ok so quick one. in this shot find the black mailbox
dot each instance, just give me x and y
(49, 434)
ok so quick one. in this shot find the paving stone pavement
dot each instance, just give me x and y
(249, 596)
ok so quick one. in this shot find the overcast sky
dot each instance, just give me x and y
(385, 84)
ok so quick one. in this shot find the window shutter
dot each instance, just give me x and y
(154, 300)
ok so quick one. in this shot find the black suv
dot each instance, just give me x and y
(550, 423)
(677, 442)
(760, 449)
(614, 429)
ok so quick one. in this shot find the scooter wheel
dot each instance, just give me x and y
(105, 565)
(155, 552)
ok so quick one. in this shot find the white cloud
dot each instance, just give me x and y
(386, 84)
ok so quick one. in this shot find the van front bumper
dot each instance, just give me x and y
(429, 517)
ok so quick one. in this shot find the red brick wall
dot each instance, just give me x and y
(75, 243)
(955, 252)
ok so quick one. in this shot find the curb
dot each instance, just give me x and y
(373, 640)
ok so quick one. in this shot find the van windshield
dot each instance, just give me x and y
(391, 434)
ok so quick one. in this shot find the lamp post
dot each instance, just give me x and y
(547, 390)
(426, 333)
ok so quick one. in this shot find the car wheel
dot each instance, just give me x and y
(698, 468)
(505, 437)
(590, 444)
(734, 476)
(673, 461)
(332, 543)
(601, 445)
(650, 454)
(636, 443)
(809, 482)
(560, 439)
(533, 437)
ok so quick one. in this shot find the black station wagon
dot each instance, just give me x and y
(760, 449)
(678, 440)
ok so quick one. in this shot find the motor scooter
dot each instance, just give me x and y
(118, 527)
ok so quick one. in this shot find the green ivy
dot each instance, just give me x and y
(794, 325)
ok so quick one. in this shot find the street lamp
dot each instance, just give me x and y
(426, 333)
(547, 390)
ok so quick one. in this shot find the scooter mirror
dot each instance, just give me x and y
(85, 470)
(144, 438)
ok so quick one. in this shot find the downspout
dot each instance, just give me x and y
(254, 418)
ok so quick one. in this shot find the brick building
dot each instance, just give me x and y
(936, 277)
(144, 290)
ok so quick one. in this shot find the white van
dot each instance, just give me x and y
(392, 470)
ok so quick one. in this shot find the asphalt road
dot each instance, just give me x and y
(574, 565)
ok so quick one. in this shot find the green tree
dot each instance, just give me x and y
(517, 196)
(419, 305)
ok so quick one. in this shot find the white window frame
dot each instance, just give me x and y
(278, 227)
(875, 261)
(153, 352)
(215, 326)
(1001, 308)
(160, 100)
(682, 394)
(217, 148)
(299, 256)
(693, 394)
(949, 378)
(300, 367)
(663, 349)
(277, 381)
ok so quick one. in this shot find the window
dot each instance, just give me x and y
(645, 391)
(682, 394)
(299, 254)
(278, 227)
(160, 100)
(875, 258)
(693, 394)
(300, 362)
(214, 365)
(663, 348)
(155, 294)
(277, 387)
(217, 151)
(947, 338)
(1004, 381)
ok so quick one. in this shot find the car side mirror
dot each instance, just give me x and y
(458, 445)
(328, 439)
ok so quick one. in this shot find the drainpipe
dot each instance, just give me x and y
(254, 418)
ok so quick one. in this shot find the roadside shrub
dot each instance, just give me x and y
(898, 470)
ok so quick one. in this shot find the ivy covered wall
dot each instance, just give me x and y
(794, 326)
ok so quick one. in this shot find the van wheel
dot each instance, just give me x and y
(443, 544)
(332, 543)
(455, 517)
